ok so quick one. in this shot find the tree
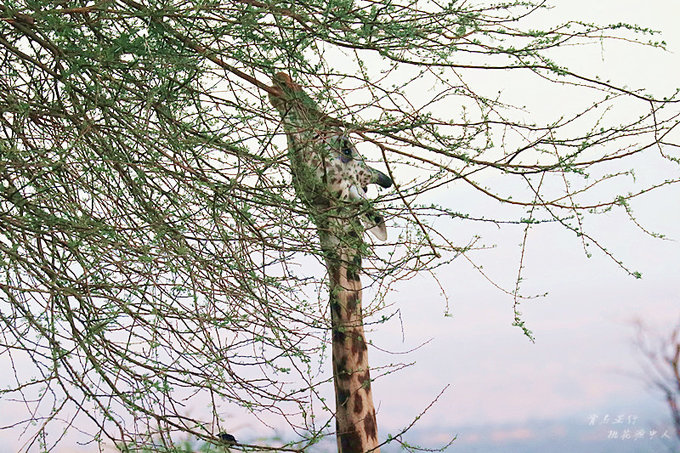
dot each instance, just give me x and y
(662, 367)
(152, 245)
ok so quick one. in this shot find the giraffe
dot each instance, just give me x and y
(330, 178)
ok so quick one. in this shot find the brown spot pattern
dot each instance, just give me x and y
(358, 347)
(353, 269)
(352, 301)
(365, 380)
(336, 308)
(343, 396)
(339, 336)
(341, 370)
(351, 442)
(370, 426)
(358, 404)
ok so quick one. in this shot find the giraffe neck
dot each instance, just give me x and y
(340, 234)
(356, 426)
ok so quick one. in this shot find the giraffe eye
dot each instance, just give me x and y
(345, 147)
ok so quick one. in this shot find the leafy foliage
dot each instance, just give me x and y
(151, 244)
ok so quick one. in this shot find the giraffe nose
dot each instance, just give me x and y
(381, 179)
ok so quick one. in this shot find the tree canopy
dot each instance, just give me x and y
(151, 245)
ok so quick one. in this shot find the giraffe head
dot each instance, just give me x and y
(347, 177)
(324, 155)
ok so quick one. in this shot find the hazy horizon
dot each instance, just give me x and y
(507, 393)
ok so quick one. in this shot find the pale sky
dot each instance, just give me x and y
(584, 357)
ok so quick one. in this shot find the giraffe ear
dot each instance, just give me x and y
(379, 231)
(378, 228)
